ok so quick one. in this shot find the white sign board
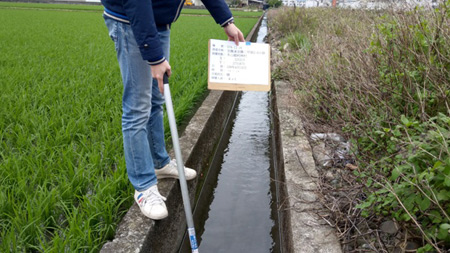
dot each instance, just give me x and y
(243, 67)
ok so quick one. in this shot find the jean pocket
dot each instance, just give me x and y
(112, 29)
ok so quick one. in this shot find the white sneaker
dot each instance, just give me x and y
(171, 171)
(151, 203)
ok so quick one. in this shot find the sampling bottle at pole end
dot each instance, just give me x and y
(180, 165)
(193, 240)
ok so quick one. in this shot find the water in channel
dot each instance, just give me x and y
(239, 213)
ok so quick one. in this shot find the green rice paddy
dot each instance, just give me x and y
(63, 182)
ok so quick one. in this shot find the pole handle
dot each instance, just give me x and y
(165, 78)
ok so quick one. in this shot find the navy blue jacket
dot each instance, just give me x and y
(147, 17)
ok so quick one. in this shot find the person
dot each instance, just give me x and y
(140, 30)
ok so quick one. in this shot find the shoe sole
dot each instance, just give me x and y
(155, 217)
(158, 218)
(174, 177)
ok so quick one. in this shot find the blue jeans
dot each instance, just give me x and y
(142, 105)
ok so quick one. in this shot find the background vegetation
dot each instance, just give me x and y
(275, 3)
(382, 79)
(63, 183)
(81, 7)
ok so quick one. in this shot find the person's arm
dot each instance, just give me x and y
(142, 21)
(222, 15)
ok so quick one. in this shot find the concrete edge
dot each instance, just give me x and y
(135, 232)
(302, 228)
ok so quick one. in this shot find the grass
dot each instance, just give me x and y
(63, 183)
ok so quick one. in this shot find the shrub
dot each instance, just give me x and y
(414, 184)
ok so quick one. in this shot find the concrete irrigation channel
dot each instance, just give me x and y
(236, 199)
(250, 184)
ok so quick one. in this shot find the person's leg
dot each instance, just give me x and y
(155, 126)
(136, 106)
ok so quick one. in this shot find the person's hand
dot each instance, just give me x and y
(234, 34)
(158, 73)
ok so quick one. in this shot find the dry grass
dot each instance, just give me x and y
(337, 73)
(334, 62)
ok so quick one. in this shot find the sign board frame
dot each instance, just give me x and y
(239, 86)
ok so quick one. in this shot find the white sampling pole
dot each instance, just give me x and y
(180, 166)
